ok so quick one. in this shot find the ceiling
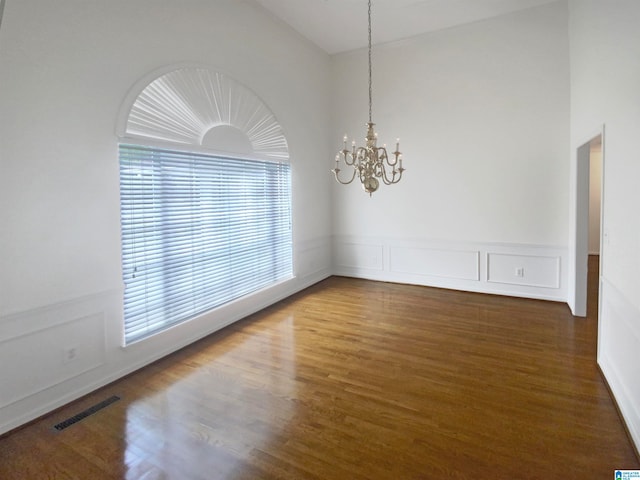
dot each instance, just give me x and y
(341, 25)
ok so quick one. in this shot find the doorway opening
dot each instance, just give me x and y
(595, 225)
(589, 234)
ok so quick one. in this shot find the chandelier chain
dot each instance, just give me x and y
(370, 75)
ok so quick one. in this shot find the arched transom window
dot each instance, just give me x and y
(205, 188)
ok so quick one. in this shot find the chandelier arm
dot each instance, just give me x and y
(393, 179)
(388, 178)
(336, 172)
(396, 175)
(388, 181)
(394, 159)
(348, 155)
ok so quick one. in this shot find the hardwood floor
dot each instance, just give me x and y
(353, 379)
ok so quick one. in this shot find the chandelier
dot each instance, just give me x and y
(370, 163)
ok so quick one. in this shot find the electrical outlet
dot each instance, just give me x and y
(519, 272)
(70, 354)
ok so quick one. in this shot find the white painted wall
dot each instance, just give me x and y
(65, 70)
(483, 115)
(605, 79)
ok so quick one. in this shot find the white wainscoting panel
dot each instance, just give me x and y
(524, 270)
(313, 259)
(50, 356)
(456, 264)
(619, 353)
(360, 256)
(531, 271)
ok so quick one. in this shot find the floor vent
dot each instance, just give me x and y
(84, 414)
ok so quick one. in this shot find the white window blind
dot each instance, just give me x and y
(198, 231)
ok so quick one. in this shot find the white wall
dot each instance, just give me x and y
(65, 70)
(605, 79)
(483, 115)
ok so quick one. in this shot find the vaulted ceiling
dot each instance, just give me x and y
(341, 25)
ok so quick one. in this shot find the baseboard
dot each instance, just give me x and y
(635, 447)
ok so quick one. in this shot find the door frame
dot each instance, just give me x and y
(579, 227)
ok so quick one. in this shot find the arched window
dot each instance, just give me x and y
(205, 188)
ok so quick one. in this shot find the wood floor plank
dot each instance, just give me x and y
(357, 380)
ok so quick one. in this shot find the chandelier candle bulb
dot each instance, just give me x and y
(370, 163)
